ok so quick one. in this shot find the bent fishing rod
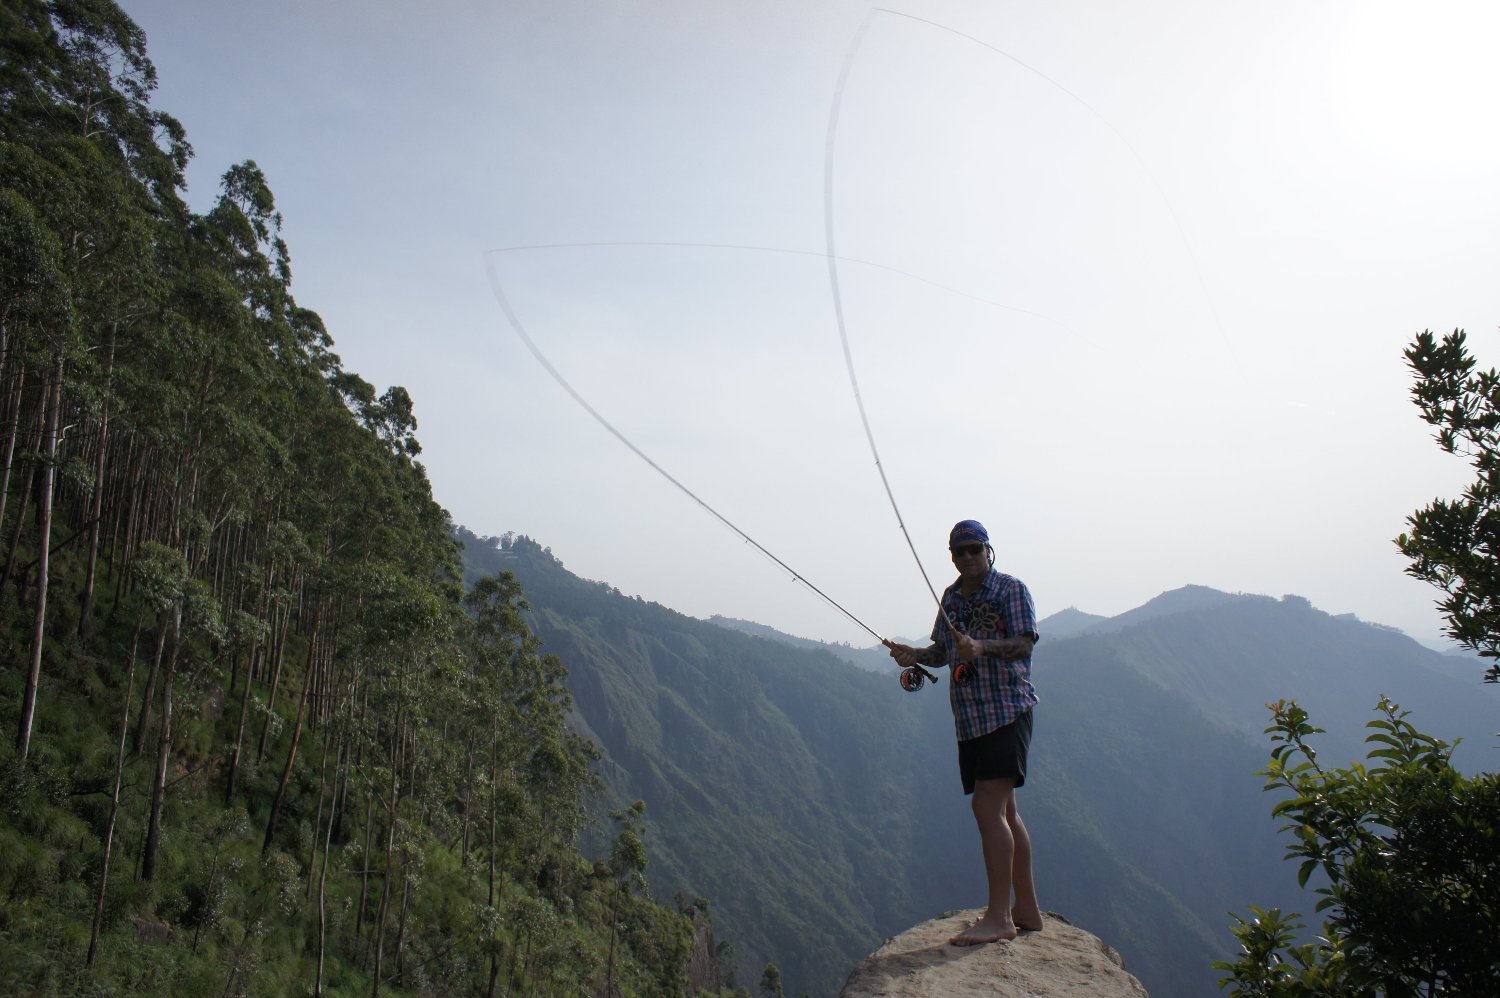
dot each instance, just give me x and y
(520, 330)
(962, 671)
(911, 677)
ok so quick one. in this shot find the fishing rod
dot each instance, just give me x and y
(911, 677)
(520, 330)
(961, 670)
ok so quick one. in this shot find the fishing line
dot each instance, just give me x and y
(1146, 171)
(789, 251)
(520, 330)
(833, 257)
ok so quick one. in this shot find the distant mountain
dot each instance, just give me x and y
(1184, 600)
(1068, 623)
(874, 659)
(817, 806)
(1234, 654)
(771, 633)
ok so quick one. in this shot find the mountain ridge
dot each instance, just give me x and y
(838, 789)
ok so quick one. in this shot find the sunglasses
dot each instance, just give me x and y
(966, 549)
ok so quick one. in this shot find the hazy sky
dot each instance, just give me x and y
(1183, 246)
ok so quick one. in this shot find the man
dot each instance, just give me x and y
(985, 632)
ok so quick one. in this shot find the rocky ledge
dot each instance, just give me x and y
(1058, 961)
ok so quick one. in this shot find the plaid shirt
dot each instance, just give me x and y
(1000, 691)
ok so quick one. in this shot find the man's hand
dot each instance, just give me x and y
(967, 648)
(905, 655)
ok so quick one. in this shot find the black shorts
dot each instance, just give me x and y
(999, 755)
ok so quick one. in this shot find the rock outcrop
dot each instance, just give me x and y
(1058, 961)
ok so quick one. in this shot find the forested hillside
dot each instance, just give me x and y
(262, 742)
(817, 807)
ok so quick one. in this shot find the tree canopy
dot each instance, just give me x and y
(1454, 544)
(262, 739)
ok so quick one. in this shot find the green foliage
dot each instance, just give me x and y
(770, 982)
(1410, 851)
(1409, 847)
(1452, 544)
(272, 741)
(759, 770)
(1273, 965)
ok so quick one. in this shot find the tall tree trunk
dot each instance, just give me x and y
(44, 541)
(34, 435)
(463, 855)
(291, 755)
(494, 795)
(390, 859)
(268, 607)
(138, 740)
(127, 547)
(239, 729)
(275, 682)
(401, 928)
(114, 802)
(163, 753)
(97, 508)
(364, 874)
(323, 872)
(312, 864)
(12, 431)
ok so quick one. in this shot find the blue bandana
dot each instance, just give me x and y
(968, 530)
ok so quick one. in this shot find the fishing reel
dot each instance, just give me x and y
(913, 676)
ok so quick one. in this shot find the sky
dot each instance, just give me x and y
(1129, 283)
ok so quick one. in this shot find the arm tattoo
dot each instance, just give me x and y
(1009, 649)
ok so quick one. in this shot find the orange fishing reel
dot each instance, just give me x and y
(913, 676)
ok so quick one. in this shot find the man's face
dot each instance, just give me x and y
(971, 559)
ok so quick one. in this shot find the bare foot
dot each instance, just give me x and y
(985, 930)
(1027, 921)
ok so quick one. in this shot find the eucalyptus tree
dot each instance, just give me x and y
(85, 115)
(262, 512)
(50, 344)
(161, 579)
(185, 593)
(32, 289)
(498, 643)
(627, 868)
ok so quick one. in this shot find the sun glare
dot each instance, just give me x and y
(1420, 81)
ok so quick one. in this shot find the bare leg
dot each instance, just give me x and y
(1027, 914)
(993, 802)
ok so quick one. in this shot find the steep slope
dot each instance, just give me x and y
(755, 763)
(813, 803)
